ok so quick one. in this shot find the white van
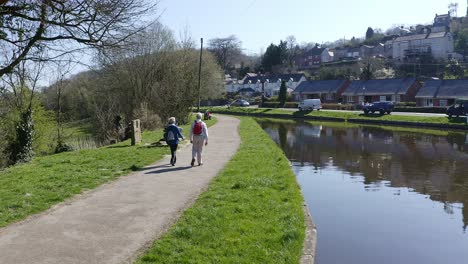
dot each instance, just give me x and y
(310, 104)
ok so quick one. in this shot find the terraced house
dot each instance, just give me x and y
(395, 90)
(442, 93)
(328, 91)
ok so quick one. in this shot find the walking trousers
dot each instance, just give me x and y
(197, 148)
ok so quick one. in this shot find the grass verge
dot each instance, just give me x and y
(35, 186)
(443, 122)
(251, 212)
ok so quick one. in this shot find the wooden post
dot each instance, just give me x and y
(136, 132)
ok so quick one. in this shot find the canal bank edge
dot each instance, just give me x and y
(310, 240)
(351, 120)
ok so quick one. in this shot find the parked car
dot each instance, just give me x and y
(240, 102)
(310, 104)
(381, 107)
(458, 109)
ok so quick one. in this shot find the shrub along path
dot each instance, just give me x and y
(113, 222)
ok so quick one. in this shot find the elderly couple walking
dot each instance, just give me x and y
(198, 138)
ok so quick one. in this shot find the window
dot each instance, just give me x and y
(396, 98)
(428, 102)
(443, 102)
(349, 99)
(383, 98)
(361, 99)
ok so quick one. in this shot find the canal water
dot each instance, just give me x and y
(381, 195)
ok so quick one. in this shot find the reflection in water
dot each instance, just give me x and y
(428, 175)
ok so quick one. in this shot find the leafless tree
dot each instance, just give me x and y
(58, 27)
(225, 50)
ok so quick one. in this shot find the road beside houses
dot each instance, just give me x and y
(114, 222)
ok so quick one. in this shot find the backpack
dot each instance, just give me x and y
(169, 135)
(197, 128)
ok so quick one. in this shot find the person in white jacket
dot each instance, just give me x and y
(198, 138)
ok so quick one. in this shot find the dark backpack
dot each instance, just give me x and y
(169, 135)
(197, 128)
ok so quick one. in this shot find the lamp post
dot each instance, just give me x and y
(199, 74)
(262, 80)
(363, 95)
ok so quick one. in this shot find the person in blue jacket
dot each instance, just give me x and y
(172, 135)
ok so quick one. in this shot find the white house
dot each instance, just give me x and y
(439, 44)
(272, 83)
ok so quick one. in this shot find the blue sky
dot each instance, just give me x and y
(257, 23)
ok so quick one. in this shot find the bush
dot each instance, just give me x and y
(277, 105)
(435, 110)
(404, 104)
(339, 106)
(291, 105)
(268, 104)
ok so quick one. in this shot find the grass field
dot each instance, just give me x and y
(251, 213)
(36, 186)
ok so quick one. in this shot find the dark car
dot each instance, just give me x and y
(458, 109)
(381, 107)
(240, 102)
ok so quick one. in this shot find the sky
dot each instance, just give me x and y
(258, 23)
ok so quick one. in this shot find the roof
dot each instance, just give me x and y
(355, 87)
(411, 37)
(379, 87)
(444, 89)
(429, 89)
(437, 35)
(315, 51)
(274, 78)
(319, 87)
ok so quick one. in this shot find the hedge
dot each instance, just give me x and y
(277, 105)
(435, 110)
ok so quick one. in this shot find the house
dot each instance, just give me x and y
(436, 41)
(314, 57)
(395, 90)
(366, 51)
(340, 53)
(328, 91)
(353, 53)
(272, 83)
(441, 23)
(233, 86)
(442, 93)
(438, 44)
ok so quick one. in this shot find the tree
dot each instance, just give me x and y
(366, 72)
(292, 50)
(282, 93)
(225, 50)
(461, 44)
(369, 33)
(275, 55)
(54, 28)
(19, 92)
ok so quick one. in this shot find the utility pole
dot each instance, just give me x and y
(199, 74)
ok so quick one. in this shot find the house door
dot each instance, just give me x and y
(429, 102)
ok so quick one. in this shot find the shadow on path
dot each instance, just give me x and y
(169, 169)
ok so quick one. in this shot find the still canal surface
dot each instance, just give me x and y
(381, 195)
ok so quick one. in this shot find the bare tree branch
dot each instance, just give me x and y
(27, 27)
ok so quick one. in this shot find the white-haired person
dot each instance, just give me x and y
(172, 135)
(198, 138)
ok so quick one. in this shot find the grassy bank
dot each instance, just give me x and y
(430, 121)
(427, 131)
(34, 187)
(251, 213)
